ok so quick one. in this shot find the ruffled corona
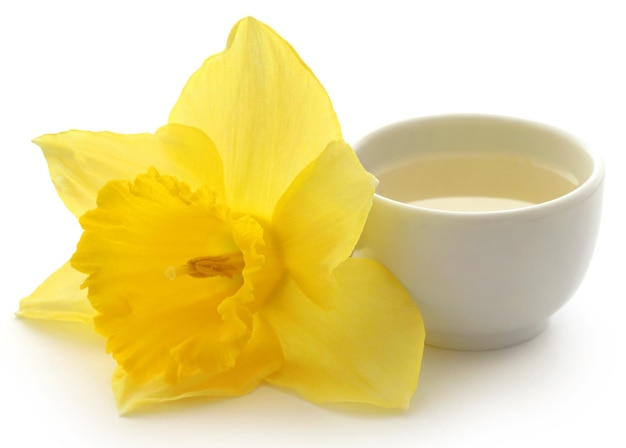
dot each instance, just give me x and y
(197, 319)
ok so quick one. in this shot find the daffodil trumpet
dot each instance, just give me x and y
(216, 252)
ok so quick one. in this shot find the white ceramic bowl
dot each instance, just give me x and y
(484, 279)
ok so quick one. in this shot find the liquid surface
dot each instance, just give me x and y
(474, 183)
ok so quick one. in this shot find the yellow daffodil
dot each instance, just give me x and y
(215, 254)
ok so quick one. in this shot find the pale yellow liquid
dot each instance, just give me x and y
(474, 183)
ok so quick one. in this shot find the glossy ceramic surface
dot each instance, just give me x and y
(486, 279)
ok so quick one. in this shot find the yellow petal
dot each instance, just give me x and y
(60, 297)
(368, 349)
(266, 112)
(260, 357)
(81, 162)
(320, 218)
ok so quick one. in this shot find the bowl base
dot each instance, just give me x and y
(483, 341)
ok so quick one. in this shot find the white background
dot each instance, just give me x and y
(120, 66)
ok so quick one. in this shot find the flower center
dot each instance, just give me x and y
(226, 265)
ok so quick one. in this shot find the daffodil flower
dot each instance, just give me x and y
(215, 253)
